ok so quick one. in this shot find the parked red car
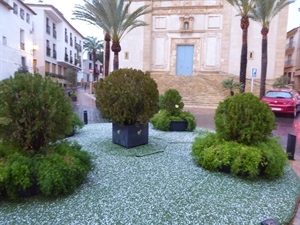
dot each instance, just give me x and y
(285, 101)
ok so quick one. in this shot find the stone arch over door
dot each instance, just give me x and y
(196, 42)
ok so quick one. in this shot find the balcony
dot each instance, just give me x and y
(66, 58)
(48, 29)
(54, 33)
(22, 46)
(54, 54)
(78, 47)
(48, 51)
(288, 63)
(290, 45)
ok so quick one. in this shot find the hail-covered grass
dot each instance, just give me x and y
(164, 186)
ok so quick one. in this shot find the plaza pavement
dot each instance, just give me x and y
(204, 117)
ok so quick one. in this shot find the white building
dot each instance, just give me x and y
(16, 37)
(194, 38)
(59, 44)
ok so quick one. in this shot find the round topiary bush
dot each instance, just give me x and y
(34, 111)
(244, 118)
(127, 96)
(171, 106)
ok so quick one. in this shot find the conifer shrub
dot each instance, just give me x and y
(171, 109)
(36, 110)
(245, 119)
(127, 96)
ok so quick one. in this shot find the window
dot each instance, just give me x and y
(4, 40)
(27, 18)
(54, 51)
(126, 55)
(71, 39)
(22, 38)
(48, 49)
(66, 35)
(15, 9)
(90, 65)
(23, 61)
(22, 14)
(47, 26)
(54, 30)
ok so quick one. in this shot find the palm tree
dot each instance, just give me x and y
(93, 46)
(230, 85)
(263, 12)
(244, 8)
(113, 17)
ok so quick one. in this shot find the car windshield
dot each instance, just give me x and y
(278, 94)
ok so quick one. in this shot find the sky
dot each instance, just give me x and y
(67, 6)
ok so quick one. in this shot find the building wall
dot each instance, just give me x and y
(14, 46)
(214, 32)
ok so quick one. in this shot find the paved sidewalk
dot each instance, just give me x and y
(204, 117)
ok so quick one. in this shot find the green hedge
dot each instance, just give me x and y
(57, 170)
(261, 159)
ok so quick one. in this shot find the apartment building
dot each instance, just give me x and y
(16, 37)
(58, 43)
(199, 37)
(292, 57)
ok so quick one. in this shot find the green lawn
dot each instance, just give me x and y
(166, 187)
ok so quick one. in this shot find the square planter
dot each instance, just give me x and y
(178, 126)
(130, 136)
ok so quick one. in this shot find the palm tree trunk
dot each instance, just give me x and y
(107, 54)
(95, 68)
(116, 48)
(243, 64)
(264, 61)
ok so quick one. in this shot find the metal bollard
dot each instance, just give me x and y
(268, 222)
(85, 117)
(291, 145)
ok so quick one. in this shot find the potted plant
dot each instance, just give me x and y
(171, 117)
(129, 98)
(77, 124)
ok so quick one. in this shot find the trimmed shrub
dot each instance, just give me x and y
(245, 119)
(171, 106)
(127, 96)
(36, 111)
(62, 168)
(261, 159)
(57, 170)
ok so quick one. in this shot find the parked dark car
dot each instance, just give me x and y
(283, 101)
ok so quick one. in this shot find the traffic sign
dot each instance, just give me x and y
(253, 72)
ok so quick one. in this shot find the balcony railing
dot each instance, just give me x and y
(54, 75)
(54, 54)
(290, 45)
(48, 51)
(54, 33)
(48, 29)
(22, 46)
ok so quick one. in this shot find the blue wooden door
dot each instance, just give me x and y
(184, 60)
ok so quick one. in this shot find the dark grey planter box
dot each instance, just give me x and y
(178, 126)
(130, 136)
